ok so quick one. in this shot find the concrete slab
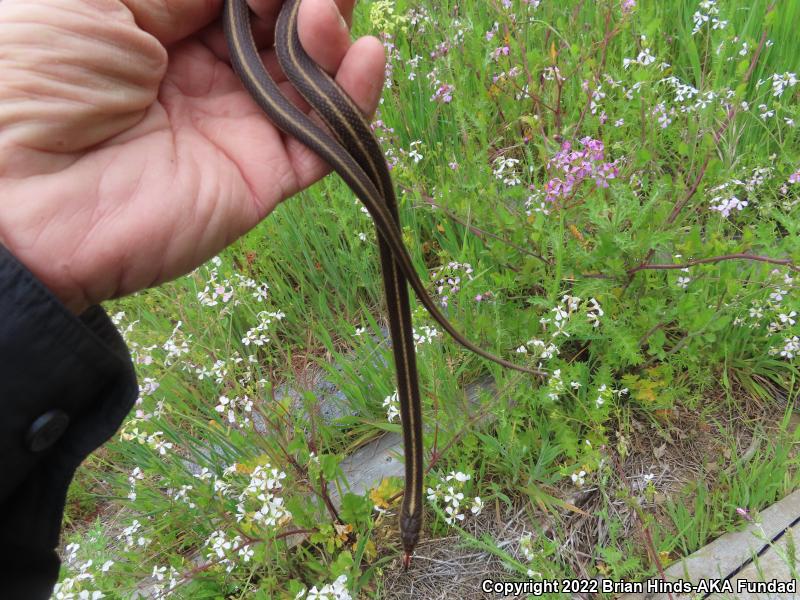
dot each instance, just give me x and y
(383, 457)
(367, 466)
(729, 552)
(777, 564)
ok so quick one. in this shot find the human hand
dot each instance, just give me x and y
(129, 151)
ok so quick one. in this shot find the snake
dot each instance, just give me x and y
(353, 152)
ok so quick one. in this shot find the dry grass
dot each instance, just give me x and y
(449, 568)
(676, 451)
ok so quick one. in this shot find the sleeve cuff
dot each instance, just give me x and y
(68, 384)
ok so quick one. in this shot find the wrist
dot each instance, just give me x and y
(70, 296)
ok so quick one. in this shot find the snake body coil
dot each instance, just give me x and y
(356, 156)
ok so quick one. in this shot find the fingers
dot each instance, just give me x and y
(70, 79)
(322, 27)
(268, 9)
(361, 73)
(214, 39)
(326, 37)
(361, 77)
(172, 20)
(323, 32)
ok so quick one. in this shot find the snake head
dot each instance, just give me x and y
(409, 534)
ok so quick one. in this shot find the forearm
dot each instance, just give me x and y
(69, 383)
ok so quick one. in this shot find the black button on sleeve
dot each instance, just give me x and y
(46, 430)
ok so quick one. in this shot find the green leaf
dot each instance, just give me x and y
(656, 343)
(343, 565)
(356, 509)
(330, 465)
(299, 506)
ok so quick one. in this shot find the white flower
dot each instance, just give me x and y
(223, 404)
(555, 385)
(427, 336)
(578, 478)
(726, 205)
(645, 58)
(505, 169)
(777, 296)
(791, 347)
(339, 589)
(246, 553)
(453, 497)
(526, 547)
(315, 594)
(392, 406)
(452, 515)
(477, 506)
(594, 312)
(781, 82)
(414, 153)
(765, 112)
(458, 476)
(159, 445)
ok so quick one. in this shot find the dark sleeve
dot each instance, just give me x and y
(66, 384)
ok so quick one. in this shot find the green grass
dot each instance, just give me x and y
(675, 347)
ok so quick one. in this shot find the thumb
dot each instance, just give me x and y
(172, 20)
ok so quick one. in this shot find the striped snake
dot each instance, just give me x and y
(354, 153)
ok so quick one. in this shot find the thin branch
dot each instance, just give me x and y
(650, 332)
(786, 262)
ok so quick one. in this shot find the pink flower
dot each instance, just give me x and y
(577, 166)
(444, 93)
(501, 51)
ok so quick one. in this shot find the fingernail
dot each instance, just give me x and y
(338, 14)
